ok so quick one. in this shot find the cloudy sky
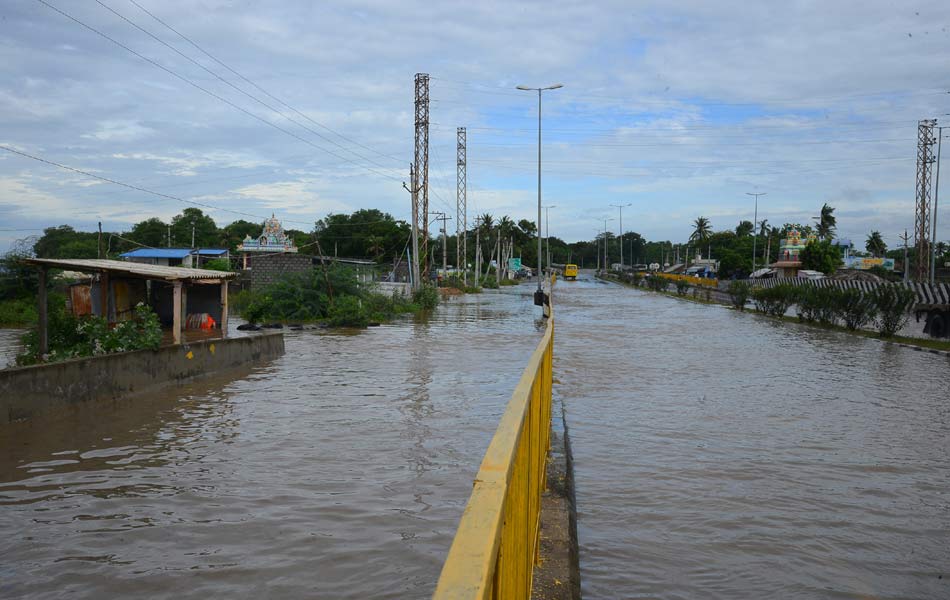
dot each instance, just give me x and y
(305, 108)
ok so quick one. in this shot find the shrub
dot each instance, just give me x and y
(681, 287)
(489, 282)
(347, 311)
(739, 292)
(636, 279)
(426, 297)
(656, 283)
(20, 311)
(217, 264)
(71, 337)
(855, 308)
(893, 303)
(774, 301)
(821, 304)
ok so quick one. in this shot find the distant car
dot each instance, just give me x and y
(807, 274)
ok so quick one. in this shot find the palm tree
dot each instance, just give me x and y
(374, 246)
(875, 244)
(764, 230)
(826, 223)
(744, 228)
(701, 230)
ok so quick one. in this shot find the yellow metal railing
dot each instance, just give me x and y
(496, 545)
(690, 279)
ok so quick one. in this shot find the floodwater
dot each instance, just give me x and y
(726, 455)
(9, 346)
(337, 471)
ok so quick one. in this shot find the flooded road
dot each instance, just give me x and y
(726, 455)
(337, 471)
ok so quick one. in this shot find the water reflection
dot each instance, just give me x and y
(726, 455)
(339, 470)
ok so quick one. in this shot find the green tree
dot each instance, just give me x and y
(150, 232)
(234, 233)
(820, 255)
(349, 235)
(875, 244)
(826, 223)
(207, 234)
(701, 231)
(66, 242)
(744, 228)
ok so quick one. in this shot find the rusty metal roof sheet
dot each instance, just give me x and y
(132, 269)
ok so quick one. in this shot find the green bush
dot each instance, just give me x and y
(821, 304)
(681, 287)
(217, 264)
(72, 337)
(17, 312)
(426, 297)
(636, 279)
(774, 301)
(490, 283)
(739, 292)
(893, 303)
(855, 308)
(657, 283)
(347, 311)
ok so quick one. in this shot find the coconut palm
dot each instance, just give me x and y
(764, 230)
(875, 244)
(701, 230)
(374, 246)
(744, 228)
(826, 223)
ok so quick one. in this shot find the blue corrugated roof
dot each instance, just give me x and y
(158, 253)
(212, 251)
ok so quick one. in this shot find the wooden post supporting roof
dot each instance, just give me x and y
(43, 318)
(176, 313)
(224, 308)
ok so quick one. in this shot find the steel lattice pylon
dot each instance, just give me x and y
(421, 183)
(925, 160)
(461, 210)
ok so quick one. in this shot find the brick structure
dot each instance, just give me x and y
(266, 269)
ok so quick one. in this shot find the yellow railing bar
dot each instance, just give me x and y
(690, 279)
(496, 544)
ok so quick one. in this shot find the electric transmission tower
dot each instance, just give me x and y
(461, 210)
(421, 184)
(925, 160)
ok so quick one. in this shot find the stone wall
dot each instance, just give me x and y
(29, 391)
(268, 268)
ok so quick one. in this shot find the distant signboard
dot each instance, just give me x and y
(514, 264)
(866, 262)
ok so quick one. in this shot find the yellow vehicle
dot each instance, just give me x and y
(570, 272)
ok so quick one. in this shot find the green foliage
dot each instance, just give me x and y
(347, 311)
(489, 282)
(366, 233)
(217, 264)
(774, 301)
(656, 283)
(17, 312)
(66, 242)
(71, 337)
(18, 280)
(893, 303)
(739, 292)
(819, 304)
(821, 256)
(636, 279)
(234, 233)
(875, 244)
(150, 232)
(681, 287)
(426, 297)
(744, 228)
(206, 231)
(855, 308)
(827, 223)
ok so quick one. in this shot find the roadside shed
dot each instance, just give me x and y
(115, 287)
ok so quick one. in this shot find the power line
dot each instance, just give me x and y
(258, 87)
(212, 94)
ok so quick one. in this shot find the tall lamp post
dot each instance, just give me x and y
(606, 266)
(539, 90)
(755, 220)
(621, 206)
(547, 233)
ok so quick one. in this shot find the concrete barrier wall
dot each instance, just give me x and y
(29, 391)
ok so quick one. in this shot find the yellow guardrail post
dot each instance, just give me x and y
(496, 544)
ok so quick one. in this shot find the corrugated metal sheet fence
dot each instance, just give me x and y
(496, 544)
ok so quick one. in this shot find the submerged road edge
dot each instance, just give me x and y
(557, 577)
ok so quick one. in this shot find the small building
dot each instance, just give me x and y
(177, 294)
(175, 257)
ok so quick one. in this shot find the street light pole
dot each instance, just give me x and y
(755, 223)
(606, 264)
(539, 90)
(547, 233)
(620, 206)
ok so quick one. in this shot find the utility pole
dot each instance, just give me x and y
(461, 208)
(621, 206)
(192, 234)
(906, 264)
(933, 236)
(441, 216)
(421, 182)
(99, 245)
(925, 160)
(606, 262)
(414, 193)
(755, 223)
(169, 236)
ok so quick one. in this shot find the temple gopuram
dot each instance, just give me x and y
(272, 239)
(789, 262)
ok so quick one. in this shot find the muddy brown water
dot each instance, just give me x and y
(727, 455)
(337, 471)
